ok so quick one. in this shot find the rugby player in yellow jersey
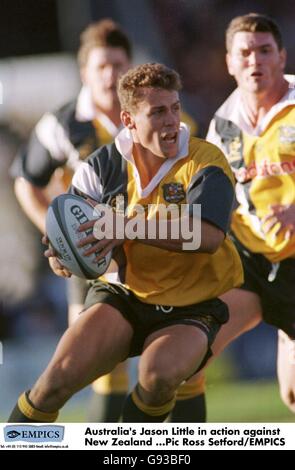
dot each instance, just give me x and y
(255, 128)
(162, 302)
(58, 144)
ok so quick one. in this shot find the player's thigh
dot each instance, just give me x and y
(173, 353)
(245, 312)
(94, 344)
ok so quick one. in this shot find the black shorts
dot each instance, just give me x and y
(145, 318)
(275, 285)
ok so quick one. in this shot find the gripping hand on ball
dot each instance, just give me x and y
(54, 262)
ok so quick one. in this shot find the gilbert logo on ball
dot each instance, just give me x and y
(65, 215)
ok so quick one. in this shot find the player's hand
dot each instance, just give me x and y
(284, 216)
(102, 238)
(54, 262)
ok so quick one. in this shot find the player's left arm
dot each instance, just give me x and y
(210, 199)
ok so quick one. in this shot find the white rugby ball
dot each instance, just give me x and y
(64, 216)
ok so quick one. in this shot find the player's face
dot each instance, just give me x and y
(156, 122)
(103, 68)
(256, 62)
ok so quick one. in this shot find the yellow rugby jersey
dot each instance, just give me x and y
(263, 162)
(198, 175)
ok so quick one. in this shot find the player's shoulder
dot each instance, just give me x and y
(204, 150)
(105, 159)
(66, 112)
(63, 116)
(205, 154)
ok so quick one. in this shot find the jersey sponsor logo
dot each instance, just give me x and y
(265, 169)
(173, 192)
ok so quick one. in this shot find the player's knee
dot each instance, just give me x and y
(158, 380)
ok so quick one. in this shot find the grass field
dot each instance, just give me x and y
(230, 400)
(254, 402)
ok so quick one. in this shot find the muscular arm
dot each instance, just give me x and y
(33, 200)
(104, 230)
(208, 241)
(36, 182)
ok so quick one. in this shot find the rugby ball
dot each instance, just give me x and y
(64, 216)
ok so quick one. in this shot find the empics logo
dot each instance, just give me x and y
(33, 433)
(13, 434)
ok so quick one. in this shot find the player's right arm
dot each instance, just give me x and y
(45, 152)
(33, 200)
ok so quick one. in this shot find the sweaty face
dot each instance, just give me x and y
(255, 61)
(156, 122)
(103, 68)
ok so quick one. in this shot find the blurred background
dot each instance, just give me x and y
(38, 72)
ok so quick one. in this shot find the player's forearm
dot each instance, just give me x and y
(33, 201)
(180, 235)
(184, 234)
